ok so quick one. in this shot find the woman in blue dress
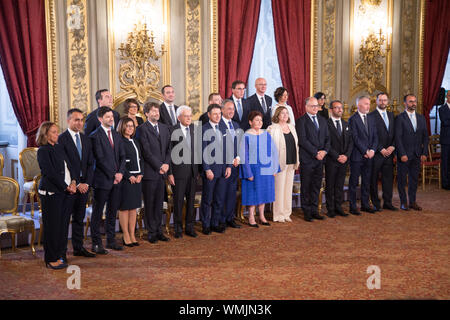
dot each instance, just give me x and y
(259, 164)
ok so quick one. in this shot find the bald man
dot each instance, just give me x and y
(261, 102)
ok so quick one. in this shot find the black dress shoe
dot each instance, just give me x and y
(331, 214)
(253, 225)
(83, 253)
(389, 207)
(308, 218)
(178, 235)
(58, 267)
(64, 259)
(355, 211)
(377, 209)
(217, 229)
(446, 187)
(317, 216)
(135, 244)
(162, 237)
(114, 246)
(206, 231)
(99, 249)
(341, 213)
(265, 223)
(404, 207)
(192, 234)
(153, 239)
(233, 224)
(415, 206)
(367, 209)
(127, 244)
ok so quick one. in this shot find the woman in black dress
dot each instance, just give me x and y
(131, 111)
(55, 183)
(321, 99)
(131, 188)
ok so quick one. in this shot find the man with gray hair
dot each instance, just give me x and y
(365, 142)
(183, 171)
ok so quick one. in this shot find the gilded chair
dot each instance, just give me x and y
(168, 206)
(2, 163)
(36, 182)
(30, 168)
(9, 203)
(431, 168)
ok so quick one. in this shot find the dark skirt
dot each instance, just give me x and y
(131, 196)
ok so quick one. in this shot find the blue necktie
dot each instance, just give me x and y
(315, 123)
(386, 121)
(78, 143)
(188, 136)
(413, 122)
(239, 110)
(231, 128)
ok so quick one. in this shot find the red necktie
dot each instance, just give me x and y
(110, 139)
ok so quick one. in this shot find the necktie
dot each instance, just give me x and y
(156, 129)
(365, 124)
(110, 139)
(239, 106)
(338, 127)
(413, 122)
(78, 142)
(315, 123)
(386, 121)
(188, 136)
(231, 128)
(172, 115)
(263, 104)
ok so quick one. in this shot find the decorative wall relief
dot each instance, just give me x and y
(329, 47)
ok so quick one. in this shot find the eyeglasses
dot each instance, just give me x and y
(315, 106)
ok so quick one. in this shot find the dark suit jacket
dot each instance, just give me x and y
(361, 140)
(108, 161)
(164, 116)
(408, 142)
(217, 168)
(182, 170)
(311, 141)
(92, 122)
(51, 162)
(155, 148)
(255, 105)
(204, 118)
(245, 112)
(85, 165)
(339, 144)
(386, 138)
(133, 161)
(444, 116)
(232, 153)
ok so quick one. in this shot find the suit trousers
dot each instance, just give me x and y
(153, 191)
(229, 201)
(53, 223)
(212, 201)
(284, 181)
(75, 206)
(184, 188)
(364, 169)
(385, 167)
(335, 173)
(410, 168)
(445, 165)
(112, 200)
(311, 181)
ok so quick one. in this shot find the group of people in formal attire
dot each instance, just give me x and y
(251, 143)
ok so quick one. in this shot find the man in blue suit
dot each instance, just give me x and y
(365, 143)
(109, 155)
(215, 170)
(232, 138)
(411, 139)
(444, 139)
(242, 109)
(314, 144)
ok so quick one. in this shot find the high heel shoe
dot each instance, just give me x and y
(127, 244)
(253, 225)
(136, 244)
(265, 223)
(58, 267)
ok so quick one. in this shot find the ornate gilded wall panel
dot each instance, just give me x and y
(314, 60)
(328, 73)
(50, 20)
(214, 45)
(78, 54)
(193, 56)
(408, 37)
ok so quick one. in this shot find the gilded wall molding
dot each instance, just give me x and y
(421, 52)
(314, 59)
(214, 46)
(78, 54)
(328, 73)
(408, 37)
(193, 55)
(50, 21)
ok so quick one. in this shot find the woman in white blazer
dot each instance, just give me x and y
(285, 138)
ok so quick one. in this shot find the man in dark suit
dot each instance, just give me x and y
(155, 141)
(365, 142)
(109, 155)
(104, 99)
(314, 144)
(79, 152)
(261, 102)
(183, 171)
(411, 139)
(337, 159)
(444, 139)
(215, 170)
(242, 110)
(383, 161)
(214, 98)
(232, 138)
(168, 109)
